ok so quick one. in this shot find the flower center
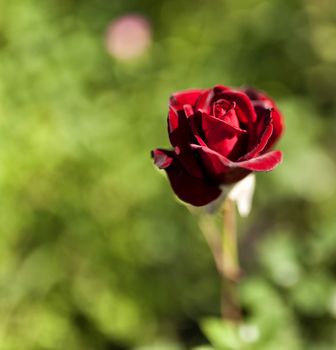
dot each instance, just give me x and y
(225, 111)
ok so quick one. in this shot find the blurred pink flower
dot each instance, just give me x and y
(128, 37)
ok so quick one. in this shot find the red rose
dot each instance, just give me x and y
(219, 136)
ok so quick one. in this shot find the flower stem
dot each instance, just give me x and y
(231, 270)
(224, 248)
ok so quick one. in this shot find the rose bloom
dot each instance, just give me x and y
(219, 136)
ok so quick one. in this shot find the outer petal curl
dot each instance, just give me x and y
(193, 190)
(179, 99)
(226, 171)
(260, 99)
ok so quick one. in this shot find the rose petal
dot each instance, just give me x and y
(195, 122)
(205, 100)
(188, 160)
(173, 120)
(218, 89)
(229, 116)
(253, 94)
(162, 158)
(220, 135)
(189, 189)
(265, 162)
(278, 127)
(278, 124)
(266, 127)
(209, 123)
(178, 128)
(179, 99)
(188, 110)
(244, 107)
(220, 168)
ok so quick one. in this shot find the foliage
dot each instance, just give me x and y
(95, 251)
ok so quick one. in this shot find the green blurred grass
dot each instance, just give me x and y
(95, 251)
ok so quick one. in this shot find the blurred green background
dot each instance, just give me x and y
(95, 252)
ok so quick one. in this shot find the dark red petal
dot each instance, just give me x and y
(210, 123)
(219, 168)
(265, 162)
(188, 160)
(188, 110)
(244, 107)
(205, 100)
(218, 89)
(217, 165)
(278, 127)
(162, 158)
(212, 160)
(179, 99)
(178, 128)
(173, 120)
(220, 135)
(189, 189)
(253, 94)
(278, 123)
(263, 136)
(203, 103)
(195, 122)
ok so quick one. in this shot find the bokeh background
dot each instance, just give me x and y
(95, 252)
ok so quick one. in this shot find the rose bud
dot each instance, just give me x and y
(219, 136)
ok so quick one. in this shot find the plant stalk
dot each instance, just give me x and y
(231, 271)
(224, 248)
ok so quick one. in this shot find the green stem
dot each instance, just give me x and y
(225, 252)
(231, 270)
